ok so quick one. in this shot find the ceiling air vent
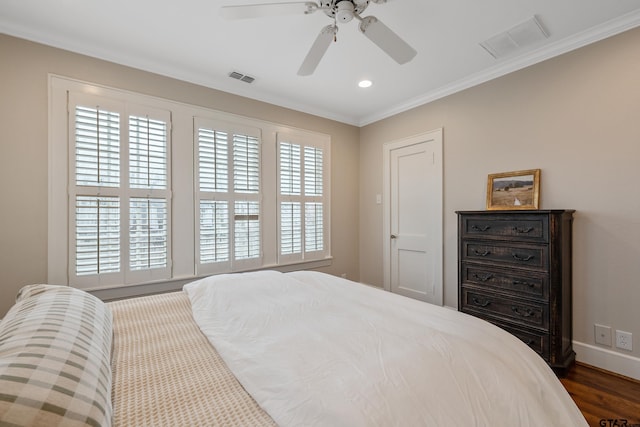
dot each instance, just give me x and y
(243, 77)
(525, 34)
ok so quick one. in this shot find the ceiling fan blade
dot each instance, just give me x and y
(318, 49)
(387, 40)
(248, 11)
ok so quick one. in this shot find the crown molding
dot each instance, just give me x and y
(595, 34)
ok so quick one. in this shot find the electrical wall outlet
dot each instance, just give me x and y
(603, 335)
(624, 340)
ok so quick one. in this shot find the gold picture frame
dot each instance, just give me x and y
(513, 190)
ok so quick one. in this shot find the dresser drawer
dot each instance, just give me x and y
(530, 228)
(529, 256)
(537, 341)
(505, 308)
(532, 284)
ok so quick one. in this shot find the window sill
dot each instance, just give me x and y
(113, 293)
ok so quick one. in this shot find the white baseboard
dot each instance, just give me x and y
(609, 360)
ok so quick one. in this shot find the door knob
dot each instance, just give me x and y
(393, 236)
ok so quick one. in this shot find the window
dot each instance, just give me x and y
(119, 192)
(228, 196)
(149, 191)
(301, 199)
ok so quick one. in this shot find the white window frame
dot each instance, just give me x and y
(182, 202)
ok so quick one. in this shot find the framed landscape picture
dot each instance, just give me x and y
(513, 190)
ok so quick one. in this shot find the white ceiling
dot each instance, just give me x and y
(189, 40)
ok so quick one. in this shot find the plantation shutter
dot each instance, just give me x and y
(290, 189)
(247, 230)
(213, 177)
(228, 194)
(301, 200)
(97, 165)
(314, 204)
(148, 216)
(97, 235)
(120, 195)
(97, 147)
(147, 153)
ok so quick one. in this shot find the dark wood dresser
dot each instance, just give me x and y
(514, 270)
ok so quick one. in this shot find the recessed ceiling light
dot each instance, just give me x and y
(365, 83)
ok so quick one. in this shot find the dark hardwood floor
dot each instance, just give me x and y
(605, 399)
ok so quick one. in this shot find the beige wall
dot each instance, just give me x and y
(577, 118)
(24, 68)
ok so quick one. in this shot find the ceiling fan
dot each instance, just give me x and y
(341, 11)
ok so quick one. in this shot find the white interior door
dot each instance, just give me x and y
(415, 217)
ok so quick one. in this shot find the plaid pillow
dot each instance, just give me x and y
(55, 356)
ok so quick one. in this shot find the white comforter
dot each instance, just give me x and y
(316, 350)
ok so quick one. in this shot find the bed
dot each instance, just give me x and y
(265, 349)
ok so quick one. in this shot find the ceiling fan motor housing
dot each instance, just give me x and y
(343, 10)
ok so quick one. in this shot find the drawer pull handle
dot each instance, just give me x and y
(521, 258)
(483, 253)
(483, 228)
(527, 312)
(520, 282)
(523, 230)
(482, 278)
(477, 302)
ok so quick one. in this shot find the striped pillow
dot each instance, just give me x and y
(55, 356)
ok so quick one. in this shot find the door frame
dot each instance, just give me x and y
(434, 136)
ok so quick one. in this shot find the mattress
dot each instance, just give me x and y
(165, 372)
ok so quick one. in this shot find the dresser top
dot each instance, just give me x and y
(517, 211)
